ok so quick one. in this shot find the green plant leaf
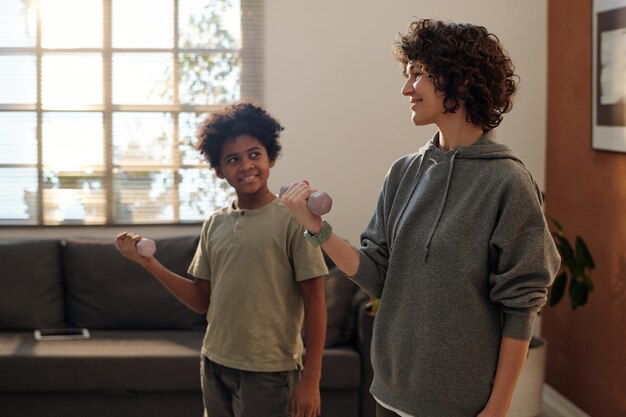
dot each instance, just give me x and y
(578, 294)
(576, 265)
(558, 288)
(566, 252)
(583, 254)
(557, 224)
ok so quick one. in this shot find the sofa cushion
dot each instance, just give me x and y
(121, 361)
(126, 361)
(341, 368)
(340, 323)
(31, 292)
(107, 291)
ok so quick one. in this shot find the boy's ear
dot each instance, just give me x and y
(272, 162)
(219, 173)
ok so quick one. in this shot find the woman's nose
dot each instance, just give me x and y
(408, 88)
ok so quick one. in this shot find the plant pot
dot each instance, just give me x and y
(528, 393)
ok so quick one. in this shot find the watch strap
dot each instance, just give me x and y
(321, 236)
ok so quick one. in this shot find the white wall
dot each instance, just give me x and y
(332, 81)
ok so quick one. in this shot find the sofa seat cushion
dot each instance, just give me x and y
(30, 284)
(341, 368)
(120, 361)
(130, 361)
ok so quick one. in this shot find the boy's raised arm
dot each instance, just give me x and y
(194, 294)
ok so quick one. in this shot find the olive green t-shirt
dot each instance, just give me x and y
(254, 260)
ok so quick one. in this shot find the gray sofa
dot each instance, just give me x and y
(143, 355)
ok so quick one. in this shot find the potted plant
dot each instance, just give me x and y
(576, 267)
(575, 276)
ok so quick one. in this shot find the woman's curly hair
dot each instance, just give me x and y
(468, 65)
(233, 121)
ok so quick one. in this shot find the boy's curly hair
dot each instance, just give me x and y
(238, 119)
(468, 65)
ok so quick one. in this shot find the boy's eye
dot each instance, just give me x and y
(255, 154)
(231, 160)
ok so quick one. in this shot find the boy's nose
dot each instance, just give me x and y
(247, 164)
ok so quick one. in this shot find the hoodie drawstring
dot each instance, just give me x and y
(421, 167)
(442, 205)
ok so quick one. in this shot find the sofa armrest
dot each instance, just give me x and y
(365, 324)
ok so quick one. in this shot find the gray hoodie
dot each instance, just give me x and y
(459, 252)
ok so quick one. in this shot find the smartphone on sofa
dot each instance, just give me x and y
(62, 334)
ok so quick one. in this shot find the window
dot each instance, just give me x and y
(99, 107)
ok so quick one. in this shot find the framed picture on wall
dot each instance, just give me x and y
(609, 75)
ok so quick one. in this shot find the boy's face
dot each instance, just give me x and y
(426, 102)
(245, 165)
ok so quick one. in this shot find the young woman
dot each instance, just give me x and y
(458, 249)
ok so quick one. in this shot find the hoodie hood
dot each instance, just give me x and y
(483, 148)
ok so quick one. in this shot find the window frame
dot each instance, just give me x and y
(250, 84)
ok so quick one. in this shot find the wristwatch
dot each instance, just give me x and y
(321, 236)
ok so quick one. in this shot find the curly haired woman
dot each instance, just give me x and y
(458, 249)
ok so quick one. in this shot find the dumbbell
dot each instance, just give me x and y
(145, 247)
(319, 203)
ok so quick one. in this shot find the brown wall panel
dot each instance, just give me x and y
(586, 192)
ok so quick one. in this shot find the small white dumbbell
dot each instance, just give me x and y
(146, 247)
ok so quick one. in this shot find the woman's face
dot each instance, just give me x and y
(426, 102)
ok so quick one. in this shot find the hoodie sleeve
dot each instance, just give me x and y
(374, 251)
(524, 256)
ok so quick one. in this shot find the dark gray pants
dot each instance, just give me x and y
(229, 392)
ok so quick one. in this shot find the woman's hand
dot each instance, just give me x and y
(295, 199)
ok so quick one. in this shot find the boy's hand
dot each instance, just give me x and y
(296, 200)
(126, 243)
(305, 400)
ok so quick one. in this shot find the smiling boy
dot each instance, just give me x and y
(257, 279)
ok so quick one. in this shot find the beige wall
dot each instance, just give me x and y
(332, 81)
